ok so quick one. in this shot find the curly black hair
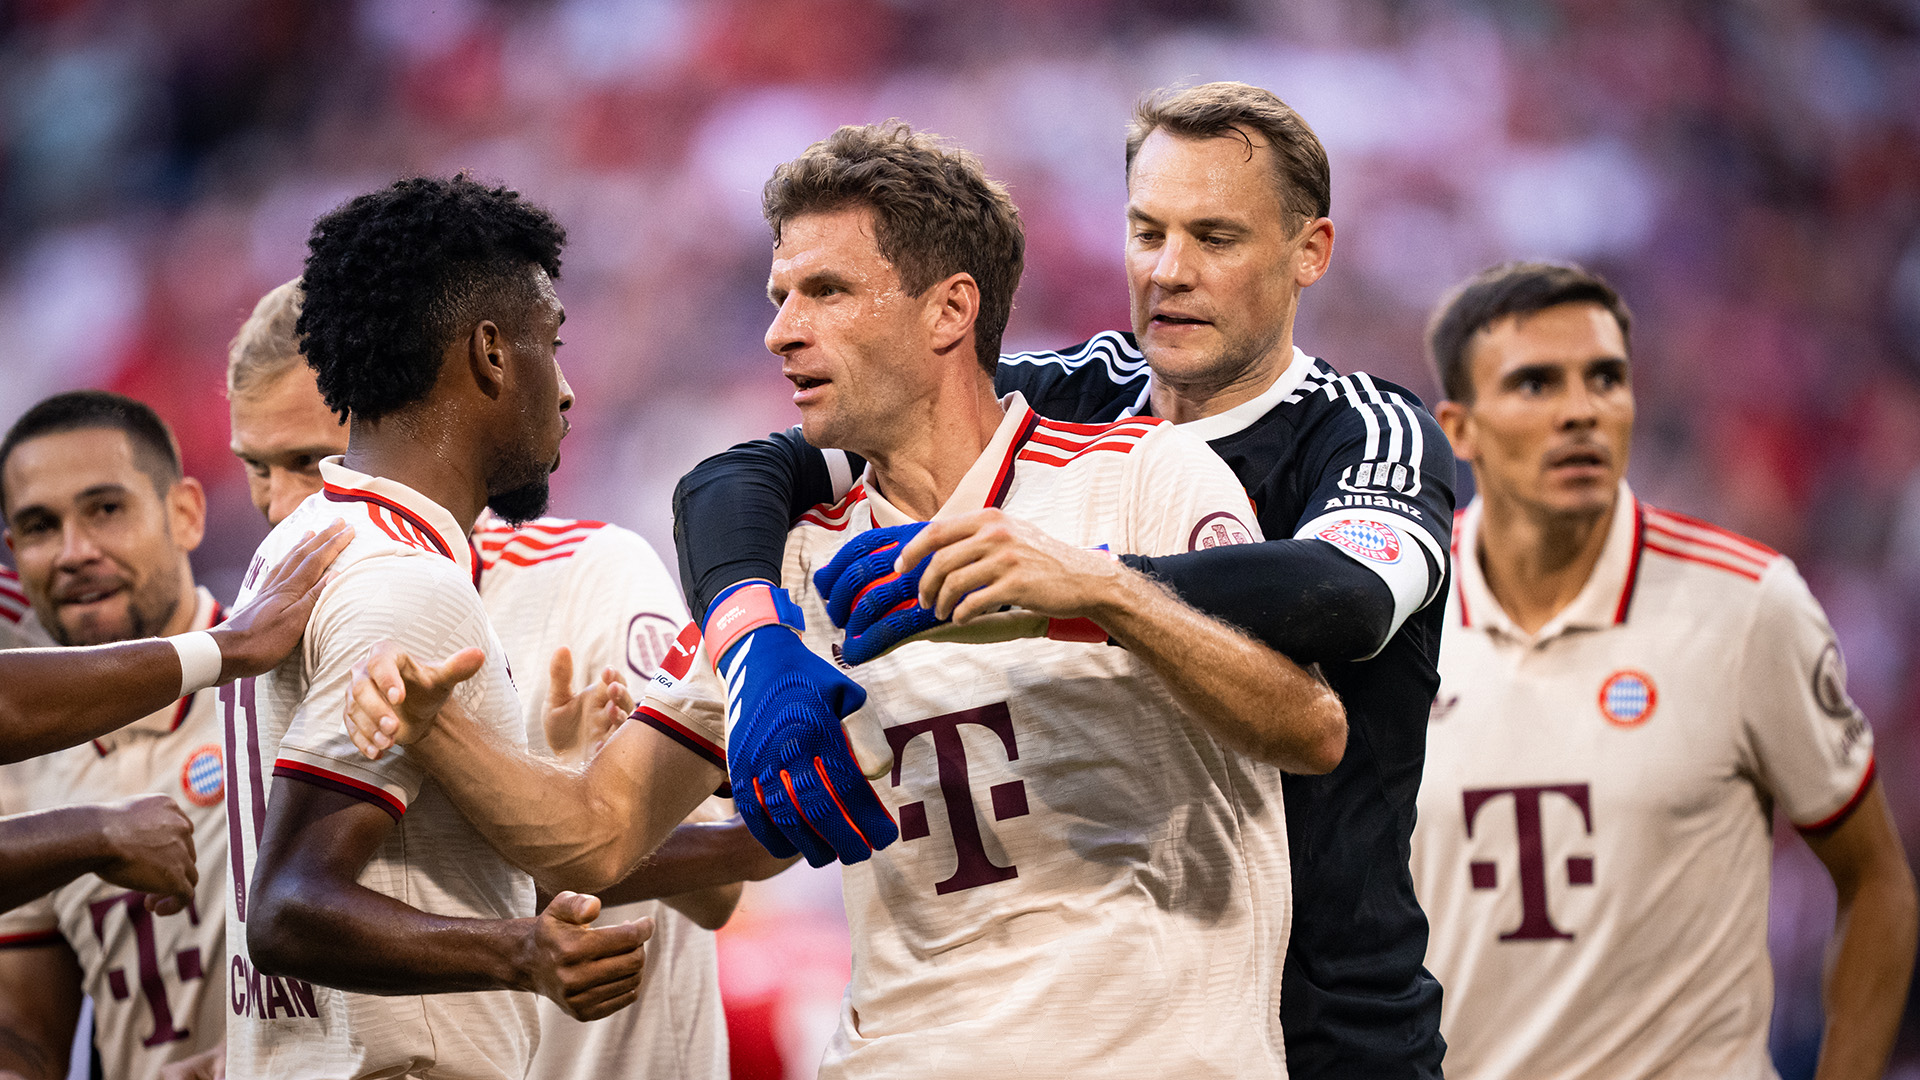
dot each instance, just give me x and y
(395, 275)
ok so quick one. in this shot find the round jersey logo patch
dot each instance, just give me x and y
(204, 777)
(649, 639)
(1368, 540)
(1218, 529)
(1627, 698)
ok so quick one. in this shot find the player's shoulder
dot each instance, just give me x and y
(550, 540)
(1104, 375)
(1059, 444)
(1357, 397)
(835, 516)
(1707, 555)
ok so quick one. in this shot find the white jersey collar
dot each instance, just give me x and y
(1602, 602)
(410, 508)
(1241, 416)
(206, 613)
(986, 481)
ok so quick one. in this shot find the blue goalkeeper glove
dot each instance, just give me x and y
(795, 778)
(878, 607)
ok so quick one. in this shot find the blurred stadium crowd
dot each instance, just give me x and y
(1747, 172)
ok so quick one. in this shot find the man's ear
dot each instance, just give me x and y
(953, 306)
(187, 513)
(1455, 419)
(486, 358)
(1316, 252)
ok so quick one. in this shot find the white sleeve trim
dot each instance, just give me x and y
(1389, 555)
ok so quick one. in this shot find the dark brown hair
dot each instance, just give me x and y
(1514, 288)
(936, 213)
(1233, 109)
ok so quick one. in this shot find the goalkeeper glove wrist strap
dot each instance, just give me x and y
(744, 608)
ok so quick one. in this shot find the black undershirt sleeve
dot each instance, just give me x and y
(732, 512)
(1302, 597)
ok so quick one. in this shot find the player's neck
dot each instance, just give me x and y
(1186, 400)
(1534, 563)
(186, 609)
(934, 450)
(439, 467)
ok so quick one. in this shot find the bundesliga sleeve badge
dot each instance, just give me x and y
(1627, 698)
(204, 777)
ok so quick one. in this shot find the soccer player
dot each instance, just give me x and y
(600, 592)
(1227, 200)
(101, 522)
(1090, 880)
(430, 320)
(1626, 694)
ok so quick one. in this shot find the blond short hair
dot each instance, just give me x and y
(266, 346)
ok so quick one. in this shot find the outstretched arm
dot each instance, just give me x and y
(143, 843)
(1250, 697)
(699, 870)
(1302, 598)
(54, 698)
(1870, 960)
(311, 919)
(571, 828)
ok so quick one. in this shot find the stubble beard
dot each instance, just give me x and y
(149, 609)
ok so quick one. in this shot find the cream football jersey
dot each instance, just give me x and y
(1086, 883)
(19, 629)
(601, 591)
(158, 982)
(1594, 835)
(408, 576)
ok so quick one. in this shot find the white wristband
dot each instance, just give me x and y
(199, 660)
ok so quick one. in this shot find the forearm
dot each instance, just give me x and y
(339, 934)
(43, 850)
(571, 828)
(53, 698)
(1251, 698)
(1301, 597)
(1870, 966)
(696, 857)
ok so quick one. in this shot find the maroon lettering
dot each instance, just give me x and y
(269, 997)
(277, 998)
(975, 867)
(1536, 924)
(153, 986)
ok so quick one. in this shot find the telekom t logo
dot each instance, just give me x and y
(1535, 923)
(976, 867)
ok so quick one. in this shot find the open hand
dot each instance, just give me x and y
(577, 725)
(395, 699)
(257, 637)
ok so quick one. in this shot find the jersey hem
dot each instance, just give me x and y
(32, 939)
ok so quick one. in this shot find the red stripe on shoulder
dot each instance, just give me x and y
(1669, 520)
(1731, 566)
(516, 559)
(1065, 428)
(836, 515)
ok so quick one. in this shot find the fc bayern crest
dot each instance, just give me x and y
(204, 777)
(1627, 698)
(1368, 540)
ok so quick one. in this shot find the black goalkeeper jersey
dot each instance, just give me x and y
(1356, 1000)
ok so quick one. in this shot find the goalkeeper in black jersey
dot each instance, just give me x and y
(1228, 197)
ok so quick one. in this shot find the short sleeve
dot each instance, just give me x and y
(1184, 498)
(418, 602)
(685, 699)
(1809, 745)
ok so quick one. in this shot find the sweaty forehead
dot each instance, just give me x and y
(1563, 334)
(1229, 175)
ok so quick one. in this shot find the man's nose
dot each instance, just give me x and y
(787, 331)
(1174, 268)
